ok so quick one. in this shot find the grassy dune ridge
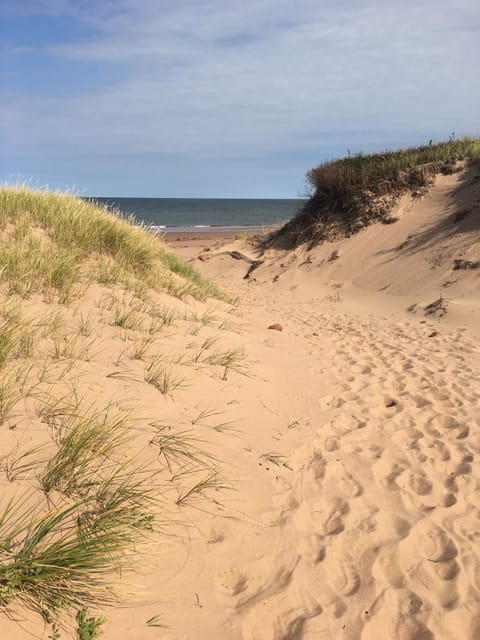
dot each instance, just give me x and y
(355, 191)
(99, 324)
(53, 238)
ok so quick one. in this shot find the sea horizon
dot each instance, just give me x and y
(203, 214)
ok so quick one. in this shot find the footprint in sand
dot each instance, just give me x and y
(447, 570)
(438, 450)
(418, 483)
(407, 436)
(281, 617)
(386, 569)
(239, 586)
(344, 424)
(431, 542)
(446, 425)
(327, 515)
(386, 471)
(395, 615)
(349, 486)
(342, 575)
(312, 549)
(323, 516)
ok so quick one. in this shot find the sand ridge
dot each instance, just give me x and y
(428, 253)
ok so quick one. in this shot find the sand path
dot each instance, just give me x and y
(368, 525)
(378, 527)
(351, 448)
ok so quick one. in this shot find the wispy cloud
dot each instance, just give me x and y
(219, 79)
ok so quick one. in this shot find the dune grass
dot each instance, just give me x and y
(161, 375)
(355, 191)
(77, 507)
(49, 238)
(48, 566)
(88, 441)
(61, 552)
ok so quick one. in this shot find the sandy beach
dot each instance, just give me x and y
(239, 320)
(189, 244)
(345, 426)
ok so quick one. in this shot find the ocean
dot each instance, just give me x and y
(204, 214)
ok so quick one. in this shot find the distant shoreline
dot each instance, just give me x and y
(204, 239)
(174, 215)
(209, 229)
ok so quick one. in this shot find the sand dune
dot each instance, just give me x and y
(373, 528)
(430, 251)
(349, 440)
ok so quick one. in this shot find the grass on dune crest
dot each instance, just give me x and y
(355, 191)
(48, 239)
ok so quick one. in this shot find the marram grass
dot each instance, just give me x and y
(48, 566)
(49, 239)
(352, 192)
(91, 506)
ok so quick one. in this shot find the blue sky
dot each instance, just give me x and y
(225, 99)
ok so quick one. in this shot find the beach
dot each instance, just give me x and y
(333, 402)
(239, 320)
(355, 481)
(188, 243)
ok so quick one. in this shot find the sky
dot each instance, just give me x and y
(220, 98)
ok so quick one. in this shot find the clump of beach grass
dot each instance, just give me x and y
(61, 552)
(91, 438)
(161, 375)
(229, 360)
(46, 565)
(355, 191)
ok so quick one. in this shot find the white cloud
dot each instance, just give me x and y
(218, 78)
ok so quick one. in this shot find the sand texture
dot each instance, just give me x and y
(348, 439)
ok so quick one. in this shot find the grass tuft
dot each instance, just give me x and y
(161, 376)
(46, 565)
(90, 438)
(230, 360)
